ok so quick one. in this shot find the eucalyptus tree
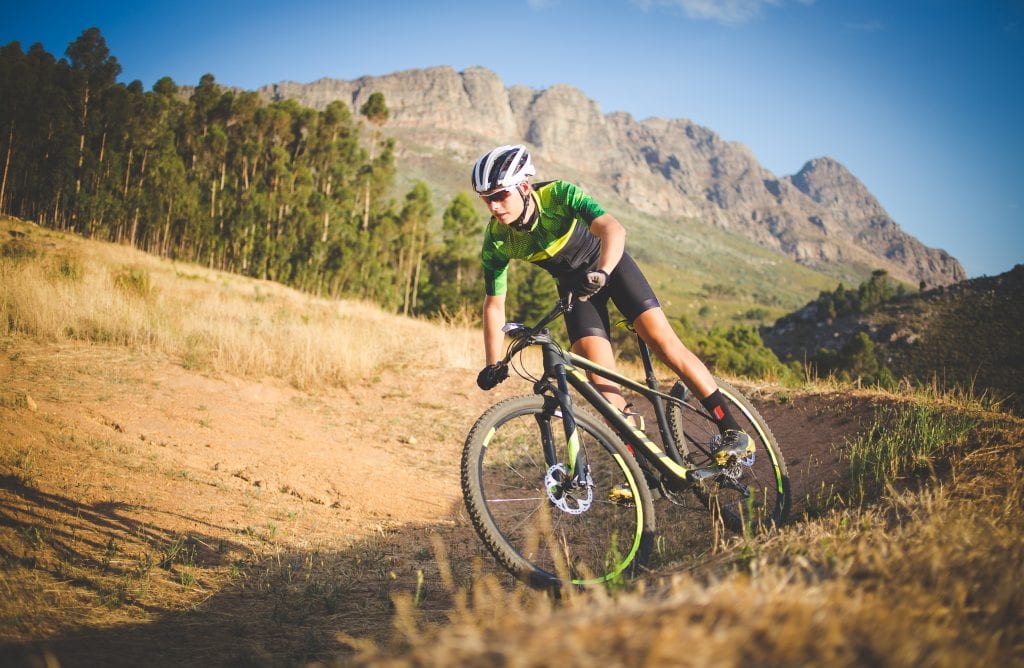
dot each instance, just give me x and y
(36, 134)
(375, 109)
(415, 234)
(333, 155)
(454, 281)
(157, 177)
(531, 292)
(16, 82)
(273, 190)
(92, 73)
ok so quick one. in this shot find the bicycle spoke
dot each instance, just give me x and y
(750, 494)
(573, 523)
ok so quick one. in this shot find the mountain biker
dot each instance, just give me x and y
(558, 227)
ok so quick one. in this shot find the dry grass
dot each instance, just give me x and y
(920, 579)
(56, 287)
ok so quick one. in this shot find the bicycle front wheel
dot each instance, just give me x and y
(546, 519)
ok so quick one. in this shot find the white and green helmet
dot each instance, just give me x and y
(502, 167)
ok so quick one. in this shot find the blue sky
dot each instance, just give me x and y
(923, 100)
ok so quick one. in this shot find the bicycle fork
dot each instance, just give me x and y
(568, 482)
(558, 402)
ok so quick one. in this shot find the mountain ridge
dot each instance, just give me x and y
(666, 167)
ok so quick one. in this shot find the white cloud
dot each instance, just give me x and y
(729, 12)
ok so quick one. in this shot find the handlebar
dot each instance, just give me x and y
(527, 336)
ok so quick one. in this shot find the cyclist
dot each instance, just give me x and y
(558, 227)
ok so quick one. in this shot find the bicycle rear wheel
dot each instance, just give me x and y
(542, 524)
(750, 495)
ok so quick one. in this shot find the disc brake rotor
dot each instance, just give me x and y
(569, 496)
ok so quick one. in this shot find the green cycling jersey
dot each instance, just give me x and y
(560, 240)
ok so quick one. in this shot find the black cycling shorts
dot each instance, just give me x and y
(627, 288)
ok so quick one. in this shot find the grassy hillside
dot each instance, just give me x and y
(964, 336)
(201, 469)
(58, 288)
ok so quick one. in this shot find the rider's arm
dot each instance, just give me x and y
(613, 241)
(494, 320)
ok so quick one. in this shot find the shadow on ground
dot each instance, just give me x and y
(288, 607)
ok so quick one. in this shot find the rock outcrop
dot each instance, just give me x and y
(665, 167)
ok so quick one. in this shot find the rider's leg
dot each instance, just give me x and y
(598, 350)
(654, 328)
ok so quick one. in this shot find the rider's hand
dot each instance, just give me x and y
(491, 375)
(591, 283)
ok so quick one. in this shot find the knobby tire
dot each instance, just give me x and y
(503, 484)
(760, 497)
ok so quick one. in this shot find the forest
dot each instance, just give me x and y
(223, 178)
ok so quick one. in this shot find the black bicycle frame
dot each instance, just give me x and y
(567, 369)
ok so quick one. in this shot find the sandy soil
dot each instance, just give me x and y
(153, 513)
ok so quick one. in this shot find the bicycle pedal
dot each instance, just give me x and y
(732, 447)
(621, 494)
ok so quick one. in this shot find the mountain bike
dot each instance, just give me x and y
(560, 495)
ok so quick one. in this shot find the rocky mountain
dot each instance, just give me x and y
(671, 168)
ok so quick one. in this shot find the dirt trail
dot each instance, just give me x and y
(168, 515)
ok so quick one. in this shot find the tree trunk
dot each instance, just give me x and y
(142, 168)
(164, 243)
(127, 173)
(135, 228)
(7, 164)
(366, 202)
(410, 268)
(56, 208)
(81, 139)
(416, 278)
(366, 206)
(327, 212)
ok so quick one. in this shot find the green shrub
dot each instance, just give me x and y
(859, 360)
(738, 351)
(133, 281)
(69, 267)
(17, 249)
(757, 313)
(719, 290)
(877, 290)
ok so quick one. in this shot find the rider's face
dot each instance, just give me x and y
(506, 205)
